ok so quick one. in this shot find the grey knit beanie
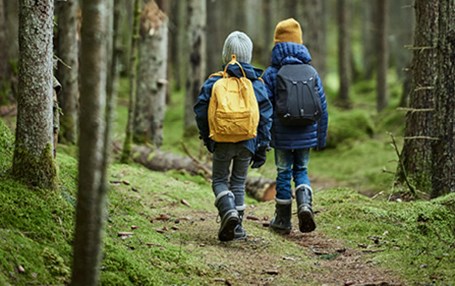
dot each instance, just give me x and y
(239, 44)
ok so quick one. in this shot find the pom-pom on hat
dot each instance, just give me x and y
(239, 44)
(288, 31)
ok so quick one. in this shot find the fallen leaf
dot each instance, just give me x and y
(252, 217)
(124, 234)
(272, 271)
(125, 182)
(185, 203)
(266, 224)
(21, 269)
(133, 227)
(162, 230)
(174, 228)
(163, 217)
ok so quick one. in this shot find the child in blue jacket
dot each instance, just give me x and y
(229, 184)
(292, 143)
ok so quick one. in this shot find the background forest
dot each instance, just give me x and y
(103, 179)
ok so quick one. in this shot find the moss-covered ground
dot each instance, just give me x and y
(161, 227)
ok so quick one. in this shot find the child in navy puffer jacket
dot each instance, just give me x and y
(292, 143)
(229, 184)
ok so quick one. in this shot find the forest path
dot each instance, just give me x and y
(266, 258)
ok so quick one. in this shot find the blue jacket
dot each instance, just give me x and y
(265, 108)
(287, 137)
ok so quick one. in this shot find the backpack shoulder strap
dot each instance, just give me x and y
(219, 73)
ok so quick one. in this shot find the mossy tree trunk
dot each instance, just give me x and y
(416, 156)
(314, 33)
(383, 54)
(90, 211)
(67, 72)
(443, 179)
(134, 60)
(196, 11)
(344, 54)
(152, 76)
(33, 162)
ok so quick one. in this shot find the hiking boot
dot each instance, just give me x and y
(239, 231)
(228, 214)
(304, 198)
(281, 223)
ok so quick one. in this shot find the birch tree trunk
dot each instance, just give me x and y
(383, 54)
(416, 156)
(197, 60)
(344, 59)
(133, 83)
(443, 179)
(152, 76)
(313, 26)
(33, 162)
(90, 211)
(67, 73)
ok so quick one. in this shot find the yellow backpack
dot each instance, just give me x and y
(233, 112)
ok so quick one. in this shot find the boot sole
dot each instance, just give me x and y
(227, 232)
(281, 230)
(306, 221)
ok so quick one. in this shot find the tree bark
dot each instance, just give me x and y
(33, 162)
(214, 34)
(133, 66)
(91, 198)
(259, 188)
(3, 50)
(344, 59)
(443, 179)
(67, 72)
(152, 81)
(369, 48)
(314, 33)
(383, 54)
(197, 60)
(267, 32)
(416, 156)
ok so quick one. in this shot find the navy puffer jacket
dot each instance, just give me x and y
(292, 137)
(262, 140)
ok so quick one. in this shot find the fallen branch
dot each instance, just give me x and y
(260, 188)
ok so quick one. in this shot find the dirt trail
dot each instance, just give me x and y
(266, 258)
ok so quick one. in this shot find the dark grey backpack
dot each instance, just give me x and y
(297, 100)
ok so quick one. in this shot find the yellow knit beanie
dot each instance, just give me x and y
(288, 31)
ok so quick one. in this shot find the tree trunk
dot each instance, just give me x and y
(3, 50)
(197, 60)
(178, 19)
(91, 196)
(67, 72)
(33, 162)
(344, 60)
(267, 33)
(368, 39)
(214, 35)
(12, 36)
(416, 156)
(443, 179)
(152, 82)
(383, 54)
(260, 188)
(313, 26)
(134, 61)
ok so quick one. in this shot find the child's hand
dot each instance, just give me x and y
(259, 158)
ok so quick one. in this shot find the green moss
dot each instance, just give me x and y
(413, 238)
(6, 147)
(349, 127)
(39, 171)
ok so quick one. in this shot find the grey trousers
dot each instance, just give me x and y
(229, 170)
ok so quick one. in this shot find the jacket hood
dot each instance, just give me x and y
(290, 53)
(250, 71)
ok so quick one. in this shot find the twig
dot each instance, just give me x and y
(403, 169)
(412, 110)
(421, 137)
(208, 173)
